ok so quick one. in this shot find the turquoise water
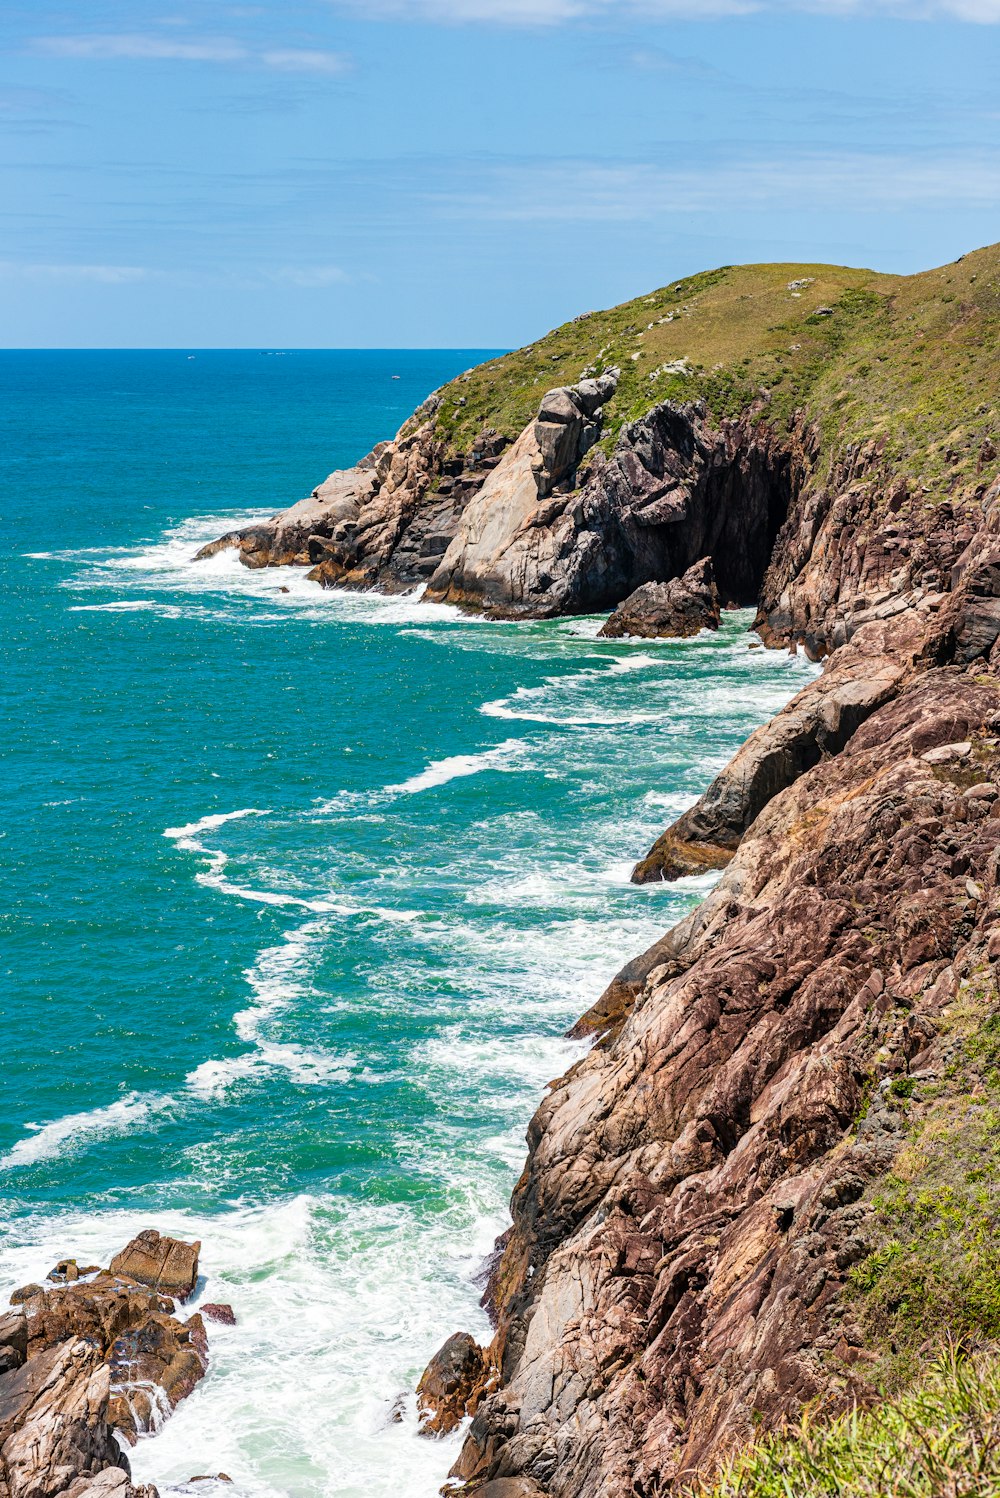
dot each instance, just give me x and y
(300, 890)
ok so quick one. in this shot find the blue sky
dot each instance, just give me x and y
(467, 173)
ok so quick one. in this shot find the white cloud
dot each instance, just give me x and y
(554, 12)
(304, 60)
(108, 275)
(137, 46)
(582, 191)
(311, 277)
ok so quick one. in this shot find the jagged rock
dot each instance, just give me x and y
(54, 1432)
(451, 1385)
(677, 609)
(511, 1487)
(164, 1264)
(219, 1312)
(13, 1340)
(695, 1190)
(819, 721)
(676, 488)
(154, 1359)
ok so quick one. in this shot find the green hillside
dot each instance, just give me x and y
(908, 359)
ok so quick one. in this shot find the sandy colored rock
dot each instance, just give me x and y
(53, 1425)
(164, 1264)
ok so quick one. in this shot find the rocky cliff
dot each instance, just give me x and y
(701, 1242)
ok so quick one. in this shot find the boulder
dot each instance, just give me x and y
(674, 610)
(164, 1264)
(220, 1312)
(13, 1340)
(54, 1430)
(451, 1386)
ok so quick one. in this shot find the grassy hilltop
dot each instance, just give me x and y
(908, 359)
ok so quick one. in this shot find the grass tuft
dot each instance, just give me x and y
(941, 1439)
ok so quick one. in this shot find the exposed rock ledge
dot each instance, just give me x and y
(93, 1352)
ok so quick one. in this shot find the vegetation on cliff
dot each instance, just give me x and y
(941, 1438)
(906, 360)
(935, 1268)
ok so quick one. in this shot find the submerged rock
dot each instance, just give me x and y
(674, 610)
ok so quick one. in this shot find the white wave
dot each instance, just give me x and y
(339, 1304)
(192, 830)
(123, 606)
(64, 1136)
(213, 1080)
(547, 703)
(441, 771)
(189, 838)
(168, 565)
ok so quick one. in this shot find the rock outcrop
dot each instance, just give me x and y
(164, 1264)
(452, 1385)
(698, 1187)
(94, 1352)
(693, 1199)
(385, 523)
(674, 610)
(550, 525)
(818, 722)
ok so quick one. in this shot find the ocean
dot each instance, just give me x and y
(301, 890)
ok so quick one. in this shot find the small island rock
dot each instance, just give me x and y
(674, 610)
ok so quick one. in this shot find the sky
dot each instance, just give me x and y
(468, 173)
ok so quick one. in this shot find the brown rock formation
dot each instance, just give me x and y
(164, 1264)
(93, 1352)
(677, 609)
(547, 526)
(55, 1438)
(818, 722)
(452, 1385)
(692, 1200)
(224, 1314)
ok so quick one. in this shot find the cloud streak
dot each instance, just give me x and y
(106, 275)
(142, 47)
(583, 191)
(557, 12)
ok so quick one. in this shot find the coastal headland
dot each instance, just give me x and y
(772, 1180)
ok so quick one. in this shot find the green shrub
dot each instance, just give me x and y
(939, 1440)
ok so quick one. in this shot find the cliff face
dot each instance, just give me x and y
(700, 1188)
(694, 1193)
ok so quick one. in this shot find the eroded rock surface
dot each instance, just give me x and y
(692, 1202)
(452, 1385)
(675, 610)
(817, 723)
(89, 1353)
(548, 524)
(164, 1264)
